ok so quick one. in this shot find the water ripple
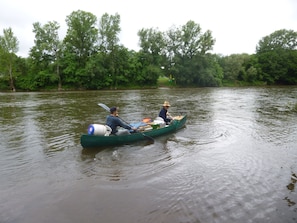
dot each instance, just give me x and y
(234, 162)
(134, 162)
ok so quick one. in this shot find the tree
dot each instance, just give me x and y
(45, 55)
(10, 46)
(97, 69)
(109, 29)
(80, 44)
(280, 39)
(189, 40)
(234, 66)
(251, 74)
(278, 66)
(101, 76)
(187, 49)
(276, 55)
(153, 49)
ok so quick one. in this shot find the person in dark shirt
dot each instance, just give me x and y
(113, 121)
(164, 113)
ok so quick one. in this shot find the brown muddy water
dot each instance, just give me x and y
(235, 161)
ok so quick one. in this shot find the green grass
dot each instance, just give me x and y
(165, 82)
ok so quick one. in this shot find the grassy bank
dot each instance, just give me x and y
(165, 82)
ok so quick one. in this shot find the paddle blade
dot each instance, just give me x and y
(104, 106)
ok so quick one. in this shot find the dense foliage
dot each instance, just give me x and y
(277, 57)
(90, 57)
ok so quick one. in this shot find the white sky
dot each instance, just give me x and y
(237, 25)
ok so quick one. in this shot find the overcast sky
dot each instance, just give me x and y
(237, 25)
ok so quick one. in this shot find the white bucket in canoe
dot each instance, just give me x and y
(100, 130)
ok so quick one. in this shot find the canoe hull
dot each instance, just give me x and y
(91, 141)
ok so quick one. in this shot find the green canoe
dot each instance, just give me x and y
(92, 141)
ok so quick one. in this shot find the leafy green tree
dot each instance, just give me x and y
(201, 70)
(278, 66)
(102, 77)
(109, 29)
(24, 81)
(122, 68)
(189, 40)
(4, 79)
(251, 70)
(280, 39)
(187, 49)
(153, 45)
(276, 54)
(137, 74)
(153, 58)
(9, 47)
(234, 66)
(44, 54)
(97, 69)
(80, 44)
(215, 71)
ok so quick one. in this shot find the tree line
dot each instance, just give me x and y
(91, 58)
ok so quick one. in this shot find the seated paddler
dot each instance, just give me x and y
(165, 114)
(113, 121)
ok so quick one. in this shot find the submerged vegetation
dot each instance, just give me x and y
(91, 58)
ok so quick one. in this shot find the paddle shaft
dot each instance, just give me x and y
(108, 110)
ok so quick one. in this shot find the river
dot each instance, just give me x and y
(235, 161)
